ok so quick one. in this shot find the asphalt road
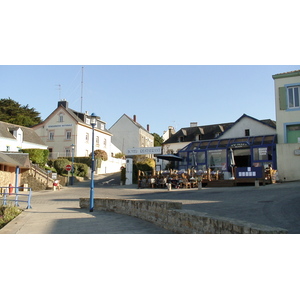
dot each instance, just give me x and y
(276, 205)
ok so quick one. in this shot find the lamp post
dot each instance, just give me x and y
(93, 123)
(72, 177)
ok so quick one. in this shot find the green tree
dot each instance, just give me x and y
(158, 140)
(15, 113)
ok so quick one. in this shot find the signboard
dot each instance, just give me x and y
(144, 151)
(239, 145)
(68, 168)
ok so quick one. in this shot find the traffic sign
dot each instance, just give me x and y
(68, 168)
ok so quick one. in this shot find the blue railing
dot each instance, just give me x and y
(8, 191)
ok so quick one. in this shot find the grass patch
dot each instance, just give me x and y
(8, 213)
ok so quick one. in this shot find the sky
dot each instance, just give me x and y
(159, 95)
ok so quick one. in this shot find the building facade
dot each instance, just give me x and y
(67, 132)
(248, 144)
(287, 103)
(128, 133)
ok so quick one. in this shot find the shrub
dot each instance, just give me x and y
(142, 163)
(8, 213)
(60, 165)
(100, 154)
(80, 170)
(37, 156)
(119, 155)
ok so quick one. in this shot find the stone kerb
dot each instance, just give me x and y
(171, 216)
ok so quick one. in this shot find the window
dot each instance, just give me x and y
(87, 137)
(263, 153)
(61, 117)
(51, 135)
(68, 134)
(293, 133)
(247, 132)
(216, 159)
(68, 152)
(293, 97)
(104, 143)
(97, 141)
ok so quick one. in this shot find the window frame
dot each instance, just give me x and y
(51, 134)
(69, 132)
(293, 89)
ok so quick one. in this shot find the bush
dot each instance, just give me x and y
(8, 213)
(100, 154)
(142, 163)
(80, 170)
(37, 156)
(60, 165)
(120, 155)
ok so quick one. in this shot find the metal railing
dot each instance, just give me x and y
(8, 191)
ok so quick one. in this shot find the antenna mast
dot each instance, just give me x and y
(81, 88)
(59, 91)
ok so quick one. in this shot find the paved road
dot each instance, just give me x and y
(275, 205)
(58, 212)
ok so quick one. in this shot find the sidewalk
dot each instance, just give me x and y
(56, 213)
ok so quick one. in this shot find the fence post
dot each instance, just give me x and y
(29, 198)
(5, 195)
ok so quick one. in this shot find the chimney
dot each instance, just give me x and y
(63, 102)
(193, 124)
(148, 127)
(134, 118)
(170, 131)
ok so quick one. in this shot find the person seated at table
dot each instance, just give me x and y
(162, 182)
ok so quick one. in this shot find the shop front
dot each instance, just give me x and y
(240, 159)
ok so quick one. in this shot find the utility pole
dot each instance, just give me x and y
(59, 91)
(81, 89)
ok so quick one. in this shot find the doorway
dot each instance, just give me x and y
(242, 157)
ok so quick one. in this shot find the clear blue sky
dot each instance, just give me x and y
(158, 95)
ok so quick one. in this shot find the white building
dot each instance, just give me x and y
(65, 127)
(15, 137)
(128, 133)
(287, 99)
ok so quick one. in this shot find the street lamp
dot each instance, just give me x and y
(72, 177)
(93, 123)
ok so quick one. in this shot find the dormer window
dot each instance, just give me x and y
(61, 117)
(198, 137)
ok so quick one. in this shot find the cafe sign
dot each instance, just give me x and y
(144, 151)
(239, 145)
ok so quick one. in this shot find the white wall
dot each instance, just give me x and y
(288, 164)
(112, 165)
(256, 128)
(14, 145)
(125, 134)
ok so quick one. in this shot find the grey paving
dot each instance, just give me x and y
(59, 213)
(276, 205)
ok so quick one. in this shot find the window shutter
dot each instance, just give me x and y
(282, 98)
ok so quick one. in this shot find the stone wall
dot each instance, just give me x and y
(5, 178)
(171, 216)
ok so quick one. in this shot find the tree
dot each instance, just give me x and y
(15, 113)
(158, 140)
